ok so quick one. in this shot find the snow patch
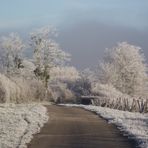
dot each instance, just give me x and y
(18, 123)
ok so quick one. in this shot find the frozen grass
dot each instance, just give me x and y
(18, 123)
(134, 125)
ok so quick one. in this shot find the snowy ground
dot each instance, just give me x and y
(134, 125)
(19, 122)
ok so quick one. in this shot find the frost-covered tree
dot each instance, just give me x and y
(64, 74)
(47, 53)
(27, 72)
(81, 86)
(124, 67)
(12, 47)
(90, 75)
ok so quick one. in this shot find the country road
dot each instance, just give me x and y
(78, 128)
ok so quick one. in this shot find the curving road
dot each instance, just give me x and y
(77, 128)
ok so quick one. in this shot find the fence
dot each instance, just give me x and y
(125, 104)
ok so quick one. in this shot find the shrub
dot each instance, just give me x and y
(8, 90)
(106, 90)
(61, 94)
(18, 90)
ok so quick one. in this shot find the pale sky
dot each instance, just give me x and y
(85, 27)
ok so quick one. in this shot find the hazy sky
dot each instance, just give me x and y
(86, 27)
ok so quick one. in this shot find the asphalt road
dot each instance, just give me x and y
(78, 128)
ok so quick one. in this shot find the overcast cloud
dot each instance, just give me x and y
(86, 27)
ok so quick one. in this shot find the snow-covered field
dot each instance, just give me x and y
(18, 123)
(134, 125)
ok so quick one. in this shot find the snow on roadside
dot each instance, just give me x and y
(134, 125)
(18, 123)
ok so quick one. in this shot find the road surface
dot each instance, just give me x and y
(77, 128)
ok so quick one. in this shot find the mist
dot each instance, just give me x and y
(86, 41)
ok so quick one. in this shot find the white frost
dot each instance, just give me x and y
(134, 125)
(18, 123)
